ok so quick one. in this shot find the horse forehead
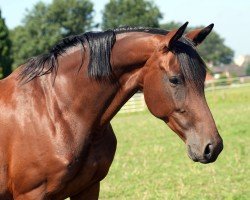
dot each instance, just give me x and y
(169, 62)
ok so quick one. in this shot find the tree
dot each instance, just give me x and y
(171, 25)
(248, 69)
(71, 16)
(5, 48)
(213, 49)
(130, 12)
(45, 24)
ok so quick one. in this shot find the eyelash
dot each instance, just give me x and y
(174, 80)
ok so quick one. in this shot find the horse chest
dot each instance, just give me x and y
(92, 167)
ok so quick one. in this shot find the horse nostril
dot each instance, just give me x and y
(208, 151)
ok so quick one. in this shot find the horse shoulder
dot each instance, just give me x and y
(94, 167)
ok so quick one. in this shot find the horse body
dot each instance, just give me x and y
(56, 140)
(58, 132)
(50, 142)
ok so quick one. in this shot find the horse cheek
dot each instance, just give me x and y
(155, 96)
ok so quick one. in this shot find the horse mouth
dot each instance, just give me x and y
(196, 158)
(192, 155)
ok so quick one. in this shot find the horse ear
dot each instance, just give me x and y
(198, 35)
(175, 35)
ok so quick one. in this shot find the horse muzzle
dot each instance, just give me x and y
(206, 153)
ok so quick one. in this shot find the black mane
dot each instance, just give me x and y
(126, 29)
(192, 65)
(100, 45)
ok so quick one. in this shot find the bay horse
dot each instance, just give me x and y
(56, 140)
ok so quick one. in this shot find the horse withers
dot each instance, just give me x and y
(56, 140)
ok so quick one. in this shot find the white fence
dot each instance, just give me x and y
(137, 103)
(134, 104)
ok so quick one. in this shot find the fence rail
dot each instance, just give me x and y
(134, 104)
(137, 103)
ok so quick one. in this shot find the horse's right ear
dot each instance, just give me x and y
(175, 35)
(198, 35)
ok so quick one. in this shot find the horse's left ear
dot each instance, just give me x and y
(198, 35)
(175, 35)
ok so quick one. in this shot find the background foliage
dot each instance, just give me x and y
(133, 13)
(46, 24)
(248, 70)
(5, 49)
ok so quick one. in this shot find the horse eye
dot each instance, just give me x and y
(174, 80)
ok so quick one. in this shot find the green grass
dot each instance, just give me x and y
(151, 161)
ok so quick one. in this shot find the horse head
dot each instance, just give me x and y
(173, 85)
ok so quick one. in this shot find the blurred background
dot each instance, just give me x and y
(150, 162)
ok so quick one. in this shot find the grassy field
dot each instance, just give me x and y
(151, 161)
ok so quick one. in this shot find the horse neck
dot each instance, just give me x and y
(132, 50)
(83, 95)
(71, 90)
(128, 58)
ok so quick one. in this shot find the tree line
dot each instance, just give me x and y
(46, 24)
